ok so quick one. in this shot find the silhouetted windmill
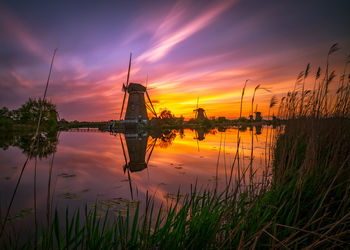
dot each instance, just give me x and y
(136, 110)
(200, 113)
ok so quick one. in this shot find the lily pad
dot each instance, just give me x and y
(21, 214)
(119, 206)
(65, 175)
(173, 196)
(213, 178)
(71, 196)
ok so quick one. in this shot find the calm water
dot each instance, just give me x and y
(90, 167)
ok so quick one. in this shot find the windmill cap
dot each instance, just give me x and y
(136, 87)
(199, 109)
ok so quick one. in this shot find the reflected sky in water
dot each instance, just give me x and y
(90, 166)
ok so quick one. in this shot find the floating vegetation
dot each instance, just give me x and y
(213, 178)
(170, 196)
(86, 190)
(21, 214)
(71, 196)
(65, 175)
(178, 167)
(119, 206)
(7, 178)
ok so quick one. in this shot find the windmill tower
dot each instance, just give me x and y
(200, 113)
(136, 110)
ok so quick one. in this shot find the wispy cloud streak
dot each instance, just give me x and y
(16, 28)
(166, 41)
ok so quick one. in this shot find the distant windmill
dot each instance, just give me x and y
(199, 112)
(136, 110)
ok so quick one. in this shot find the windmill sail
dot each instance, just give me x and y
(125, 87)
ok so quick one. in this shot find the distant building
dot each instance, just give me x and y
(221, 119)
(258, 117)
(200, 114)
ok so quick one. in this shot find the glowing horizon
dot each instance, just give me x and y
(186, 49)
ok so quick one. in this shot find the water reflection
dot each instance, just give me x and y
(45, 144)
(139, 145)
(136, 148)
(98, 166)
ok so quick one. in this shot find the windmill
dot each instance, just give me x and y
(137, 147)
(199, 112)
(136, 110)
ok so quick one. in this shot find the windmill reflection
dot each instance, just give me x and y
(138, 148)
(200, 133)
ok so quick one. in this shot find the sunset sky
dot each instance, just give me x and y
(188, 49)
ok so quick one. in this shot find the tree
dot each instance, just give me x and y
(166, 114)
(29, 113)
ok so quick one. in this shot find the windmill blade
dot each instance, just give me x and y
(149, 99)
(150, 110)
(126, 160)
(130, 185)
(197, 101)
(121, 112)
(126, 164)
(149, 156)
(149, 145)
(127, 79)
(125, 87)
